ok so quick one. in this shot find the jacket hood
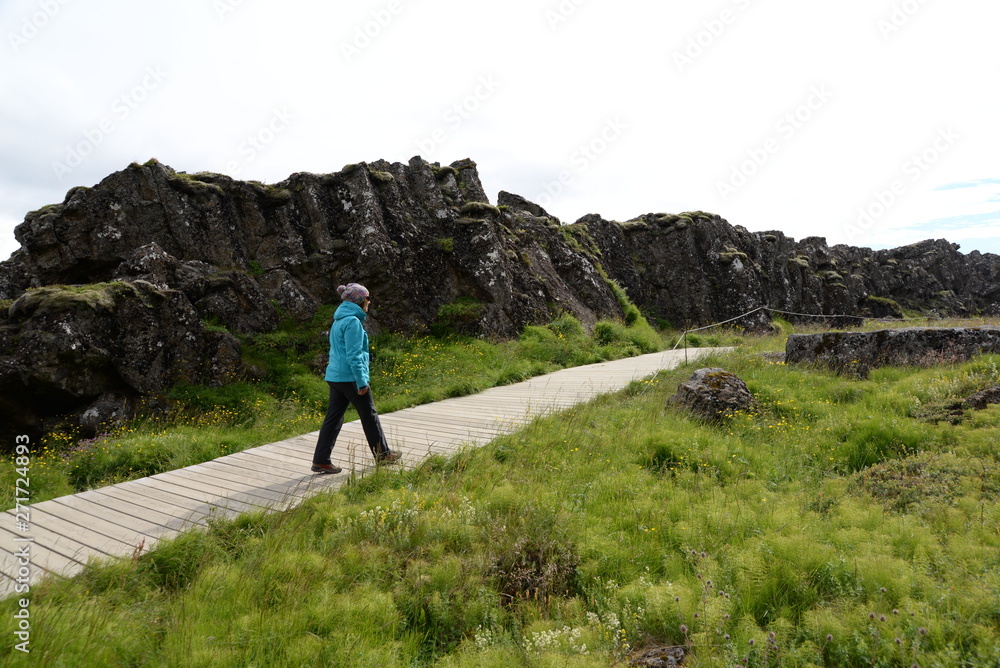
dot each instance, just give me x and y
(348, 310)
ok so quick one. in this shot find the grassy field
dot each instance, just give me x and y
(845, 522)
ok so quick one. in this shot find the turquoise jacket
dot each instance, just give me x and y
(349, 356)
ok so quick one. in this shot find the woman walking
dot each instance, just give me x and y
(347, 374)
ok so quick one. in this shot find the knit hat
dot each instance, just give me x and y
(353, 292)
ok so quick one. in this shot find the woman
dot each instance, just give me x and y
(348, 376)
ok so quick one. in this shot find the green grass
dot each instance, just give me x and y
(837, 526)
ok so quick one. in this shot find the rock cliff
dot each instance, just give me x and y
(143, 279)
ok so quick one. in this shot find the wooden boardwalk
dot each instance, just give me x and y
(121, 520)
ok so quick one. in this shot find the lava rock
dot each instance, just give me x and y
(713, 394)
(857, 353)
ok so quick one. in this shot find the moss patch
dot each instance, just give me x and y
(59, 298)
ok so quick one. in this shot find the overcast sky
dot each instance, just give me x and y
(869, 122)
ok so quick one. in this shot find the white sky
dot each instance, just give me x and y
(788, 115)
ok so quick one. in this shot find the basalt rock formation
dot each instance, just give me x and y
(857, 353)
(183, 262)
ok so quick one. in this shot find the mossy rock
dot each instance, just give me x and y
(277, 196)
(191, 184)
(799, 260)
(694, 217)
(443, 172)
(666, 219)
(53, 299)
(730, 255)
(381, 177)
(47, 209)
(445, 244)
(478, 210)
(635, 222)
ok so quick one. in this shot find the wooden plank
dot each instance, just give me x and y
(216, 504)
(193, 477)
(235, 479)
(102, 498)
(253, 460)
(436, 429)
(180, 516)
(270, 497)
(63, 540)
(468, 416)
(43, 557)
(279, 481)
(290, 451)
(344, 454)
(71, 527)
(105, 521)
(303, 483)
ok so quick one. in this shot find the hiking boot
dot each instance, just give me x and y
(387, 458)
(326, 468)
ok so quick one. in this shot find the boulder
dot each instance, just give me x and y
(93, 351)
(983, 398)
(713, 394)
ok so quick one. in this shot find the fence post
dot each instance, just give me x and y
(685, 336)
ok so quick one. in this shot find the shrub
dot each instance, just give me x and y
(608, 332)
(567, 326)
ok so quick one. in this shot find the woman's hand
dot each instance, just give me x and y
(363, 391)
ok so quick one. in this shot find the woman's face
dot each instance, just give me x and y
(366, 304)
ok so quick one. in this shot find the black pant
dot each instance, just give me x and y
(341, 396)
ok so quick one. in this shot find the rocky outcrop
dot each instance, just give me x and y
(696, 268)
(92, 351)
(983, 398)
(244, 254)
(238, 256)
(713, 394)
(858, 353)
(213, 255)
